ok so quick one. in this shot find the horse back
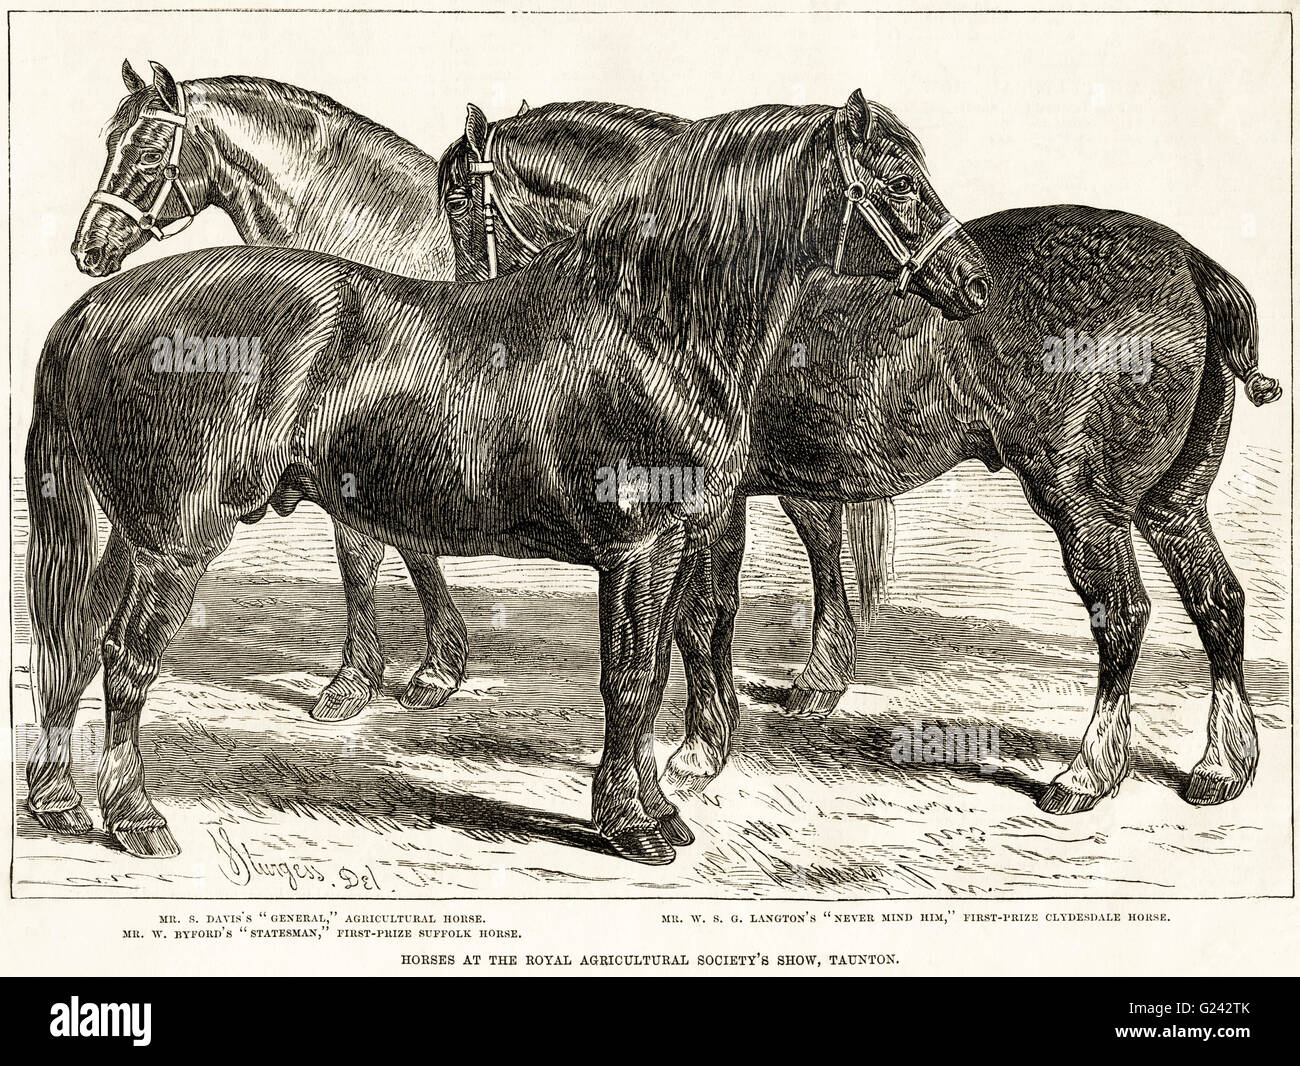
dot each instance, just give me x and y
(191, 375)
(1095, 336)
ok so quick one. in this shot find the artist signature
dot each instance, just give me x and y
(240, 866)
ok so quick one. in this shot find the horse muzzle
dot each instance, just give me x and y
(971, 286)
(96, 259)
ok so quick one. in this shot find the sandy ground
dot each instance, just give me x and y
(489, 795)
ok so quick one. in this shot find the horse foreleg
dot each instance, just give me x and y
(361, 676)
(159, 595)
(1098, 554)
(704, 631)
(829, 670)
(638, 598)
(443, 668)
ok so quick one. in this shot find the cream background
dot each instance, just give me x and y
(1184, 118)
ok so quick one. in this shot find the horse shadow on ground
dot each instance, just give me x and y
(545, 715)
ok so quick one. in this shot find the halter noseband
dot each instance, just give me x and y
(855, 199)
(495, 207)
(147, 219)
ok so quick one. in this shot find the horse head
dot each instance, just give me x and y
(148, 173)
(883, 218)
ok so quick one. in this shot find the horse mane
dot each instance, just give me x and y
(717, 208)
(259, 97)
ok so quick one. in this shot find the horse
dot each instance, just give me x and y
(888, 395)
(454, 418)
(291, 168)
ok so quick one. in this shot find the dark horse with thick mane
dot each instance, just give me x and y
(886, 395)
(448, 418)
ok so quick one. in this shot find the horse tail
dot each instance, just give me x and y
(1230, 311)
(62, 546)
(870, 531)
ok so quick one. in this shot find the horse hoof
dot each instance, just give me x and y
(152, 842)
(675, 830)
(811, 702)
(1205, 790)
(1058, 799)
(420, 696)
(72, 822)
(646, 846)
(345, 697)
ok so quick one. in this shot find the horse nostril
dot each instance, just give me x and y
(91, 257)
(977, 291)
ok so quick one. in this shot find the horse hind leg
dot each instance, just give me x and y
(52, 798)
(1175, 521)
(446, 643)
(705, 625)
(361, 675)
(1185, 543)
(157, 601)
(826, 676)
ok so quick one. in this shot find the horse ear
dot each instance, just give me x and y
(476, 125)
(857, 115)
(133, 81)
(523, 108)
(166, 85)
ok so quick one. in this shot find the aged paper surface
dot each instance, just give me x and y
(457, 838)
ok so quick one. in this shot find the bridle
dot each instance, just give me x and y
(856, 200)
(494, 207)
(147, 218)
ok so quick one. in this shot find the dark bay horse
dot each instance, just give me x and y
(291, 168)
(448, 418)
(889, 395)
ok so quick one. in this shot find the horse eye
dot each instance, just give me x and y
(901, 186)
(149, 158)
(457, 203)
